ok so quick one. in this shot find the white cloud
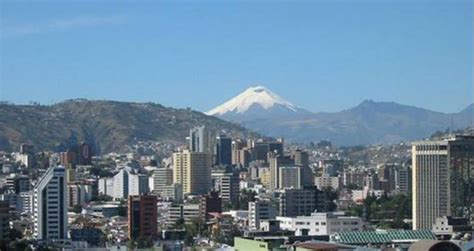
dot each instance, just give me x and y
(58, 25)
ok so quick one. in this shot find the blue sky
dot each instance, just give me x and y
(320, 55)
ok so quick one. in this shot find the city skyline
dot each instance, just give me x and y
(141, 52)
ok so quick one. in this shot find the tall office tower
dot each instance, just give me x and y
(4, 221)
(85, 154)
(142, 216)
(200, 140)
(300, 157)
(442, 180)
(68, 159)
(298, 202)
(387, 174)
(50, 205)
(26, 155)
(193, 171)
(276, 147)
(162, 178)
(241, 157)
(290, 177)
(259, 151)
(260, 210)
(403, 179)
(223, 150)
(276, 162)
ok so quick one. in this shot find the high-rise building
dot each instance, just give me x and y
(79, 154)
(290, 177)
(162, 178)
(276, 162)
(4, 221)
(79, 194)
(210, 203)
(300, 157)
(241, 157)
(223, 150)
(298, 202)
(142, 216)
(228, 185)
(19, 183)
(442, 180)
(260, 210)
(193, 171)
(403, 179)
(200, 140)
(50, 205)
(127, 182)
(25, 202)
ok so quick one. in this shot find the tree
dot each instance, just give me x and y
(77, 209)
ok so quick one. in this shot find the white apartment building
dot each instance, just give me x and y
(321, 224)
(127, 182)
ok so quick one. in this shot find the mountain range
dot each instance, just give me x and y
(107, 125)
(112, 125)
(370, 122)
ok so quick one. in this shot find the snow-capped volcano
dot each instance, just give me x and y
(257, 102)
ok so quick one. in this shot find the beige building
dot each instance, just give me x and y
(193, 171)
(442, 180)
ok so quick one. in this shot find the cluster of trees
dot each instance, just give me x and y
(386, 212)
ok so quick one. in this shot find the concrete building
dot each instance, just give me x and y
(298, 202)
(355, 177)
(142, 216)
(442, 180)
(19, 183)
(186, 212)
(321, 224)
(4, 221)
(173, 192)
(210, 203)
(200, 140)
(193, 171)
(241, 157)
(127, 182)
(161, 178)
(223, 150)
(326, 181)
(448, 225)
(78, 194)
(276, 162)
(50, 205)
(106, 186)
(290, 177)
(25, 202)
(403, 179)
(228, 185)
(260, 210)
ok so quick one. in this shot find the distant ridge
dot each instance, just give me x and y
(370, 122)
(107, 125)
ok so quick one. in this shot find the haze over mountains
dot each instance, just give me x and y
(370, 122)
